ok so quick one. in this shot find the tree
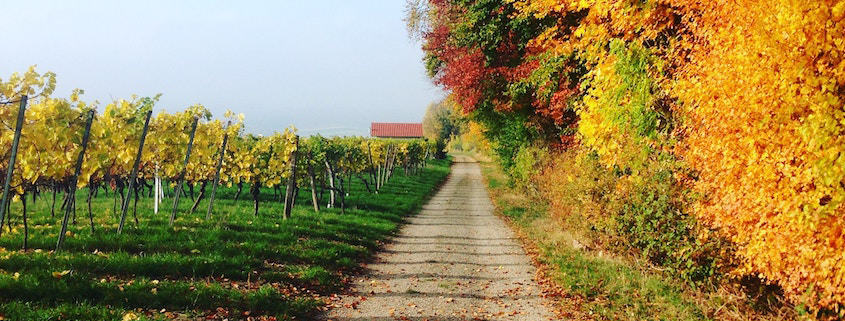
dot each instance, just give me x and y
(417, 16)
(441, 121)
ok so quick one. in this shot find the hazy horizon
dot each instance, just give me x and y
(330, 67)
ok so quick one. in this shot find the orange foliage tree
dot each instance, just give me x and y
(740, 103)
(762, 97)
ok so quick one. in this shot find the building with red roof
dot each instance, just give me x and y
(396, 130)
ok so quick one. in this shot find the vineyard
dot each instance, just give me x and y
(92, 199)
(705, 136)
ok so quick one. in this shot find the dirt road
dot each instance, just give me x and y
(455, 260)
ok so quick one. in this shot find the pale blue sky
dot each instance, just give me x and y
(327, 66)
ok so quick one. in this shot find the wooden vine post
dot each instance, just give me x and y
(289, 193)
(372, 166)
(85, 138)
(73, 182)
(313, 184)
(383, 167)
(134, 175)
(181, 178)
(11, 168)
(217, 172)
(332, 190)
(388, 164)
(392, 163)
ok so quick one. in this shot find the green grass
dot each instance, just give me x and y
(262, 265)
(596, 285)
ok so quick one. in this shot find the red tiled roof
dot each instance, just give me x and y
(408, 130)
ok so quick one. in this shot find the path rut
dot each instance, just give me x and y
(455, 260)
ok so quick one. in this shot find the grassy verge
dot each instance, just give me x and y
(595, 284)
(230, 267)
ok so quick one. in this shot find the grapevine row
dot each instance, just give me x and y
(53, 130)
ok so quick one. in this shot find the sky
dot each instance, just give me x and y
(324, 66)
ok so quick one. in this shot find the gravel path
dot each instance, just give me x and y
(455, 260)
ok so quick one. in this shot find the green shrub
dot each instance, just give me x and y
(643, 210)
(527, 163)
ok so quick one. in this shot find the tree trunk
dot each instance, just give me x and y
(91, 191)
(150, 186)
(136, 189)
(199, 197)
(8, 218)
(114, 196)
(255, 190)
(121, 192)
(53, 205)
(342, 195)
(65, 201)
(366, 183)
(240, 188)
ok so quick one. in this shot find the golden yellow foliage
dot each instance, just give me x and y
(760, 87)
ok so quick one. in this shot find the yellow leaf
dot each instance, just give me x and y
(59, 275)
(838, 11)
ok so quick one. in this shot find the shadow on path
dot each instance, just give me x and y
(455, 260)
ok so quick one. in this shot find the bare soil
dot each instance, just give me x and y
(455, 260)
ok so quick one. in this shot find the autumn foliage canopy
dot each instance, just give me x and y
(723, 119)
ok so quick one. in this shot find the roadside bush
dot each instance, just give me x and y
(527, 164)
(642, 210)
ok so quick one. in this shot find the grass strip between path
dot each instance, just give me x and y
(232, 266)
(590, 285)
